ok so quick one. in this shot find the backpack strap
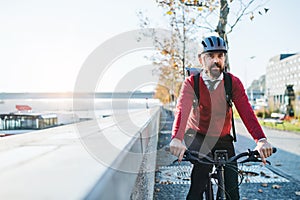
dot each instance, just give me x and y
(196, 90)
(228, 88)
(228, 92)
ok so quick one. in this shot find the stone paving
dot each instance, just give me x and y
(172, 180)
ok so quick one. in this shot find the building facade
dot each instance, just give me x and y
(27, 121)
(282, 82)
(256, 91)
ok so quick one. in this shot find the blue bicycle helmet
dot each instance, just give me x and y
(214, 43)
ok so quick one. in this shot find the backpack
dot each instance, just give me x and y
(228, 93)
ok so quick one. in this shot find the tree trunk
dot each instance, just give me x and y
(221, 28)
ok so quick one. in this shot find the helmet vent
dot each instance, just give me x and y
(219, 42)
(214, 43)
(211, 42)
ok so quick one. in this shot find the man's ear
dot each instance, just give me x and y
(200, 58)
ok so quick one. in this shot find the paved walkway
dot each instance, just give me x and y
(287, 159)
(172, 180)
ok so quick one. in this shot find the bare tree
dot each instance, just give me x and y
(190, 20)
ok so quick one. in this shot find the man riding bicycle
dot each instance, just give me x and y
(206, 126)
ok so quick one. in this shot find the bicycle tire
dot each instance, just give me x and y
(209, 193)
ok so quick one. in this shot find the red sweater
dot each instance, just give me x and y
(213, 116)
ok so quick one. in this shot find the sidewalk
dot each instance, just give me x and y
(172, 180)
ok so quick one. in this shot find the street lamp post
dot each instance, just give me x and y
(194, 3)
(246, 80)
(183, 42)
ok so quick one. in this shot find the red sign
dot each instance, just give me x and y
(23, 108)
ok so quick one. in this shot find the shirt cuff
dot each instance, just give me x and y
(262, 140)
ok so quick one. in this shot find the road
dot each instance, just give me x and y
(287, 159)
(171, 180)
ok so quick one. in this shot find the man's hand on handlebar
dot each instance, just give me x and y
(264, 148)
(177, 148)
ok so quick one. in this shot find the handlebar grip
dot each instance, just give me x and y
(274, 150)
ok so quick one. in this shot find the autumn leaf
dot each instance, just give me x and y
(264, 184)
(169, 12)
(266, 10)
(200, 8)
(164, 52)
(276, 186)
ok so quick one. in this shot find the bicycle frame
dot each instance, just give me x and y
(221, 157)
(219, 161)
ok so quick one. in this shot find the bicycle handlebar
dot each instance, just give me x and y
(196, 157)
(252, 156)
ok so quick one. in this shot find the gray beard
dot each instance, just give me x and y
(214, 75)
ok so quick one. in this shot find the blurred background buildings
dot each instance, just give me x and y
(279, 89)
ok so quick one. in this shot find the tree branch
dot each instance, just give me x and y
(240, 16)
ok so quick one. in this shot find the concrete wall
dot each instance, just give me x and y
(137, 161)
(97, 159)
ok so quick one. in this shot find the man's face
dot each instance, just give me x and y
(213, 63)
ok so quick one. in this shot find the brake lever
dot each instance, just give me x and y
(254, 158)
(184, 160)
(175, 161)
(188, 157)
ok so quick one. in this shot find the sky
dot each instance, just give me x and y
(44, 45)
(263, 38)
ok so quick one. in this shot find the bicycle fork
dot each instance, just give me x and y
(221, 190)
(217, 175)
(221, 156)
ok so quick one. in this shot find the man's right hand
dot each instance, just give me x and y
(177, 148)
